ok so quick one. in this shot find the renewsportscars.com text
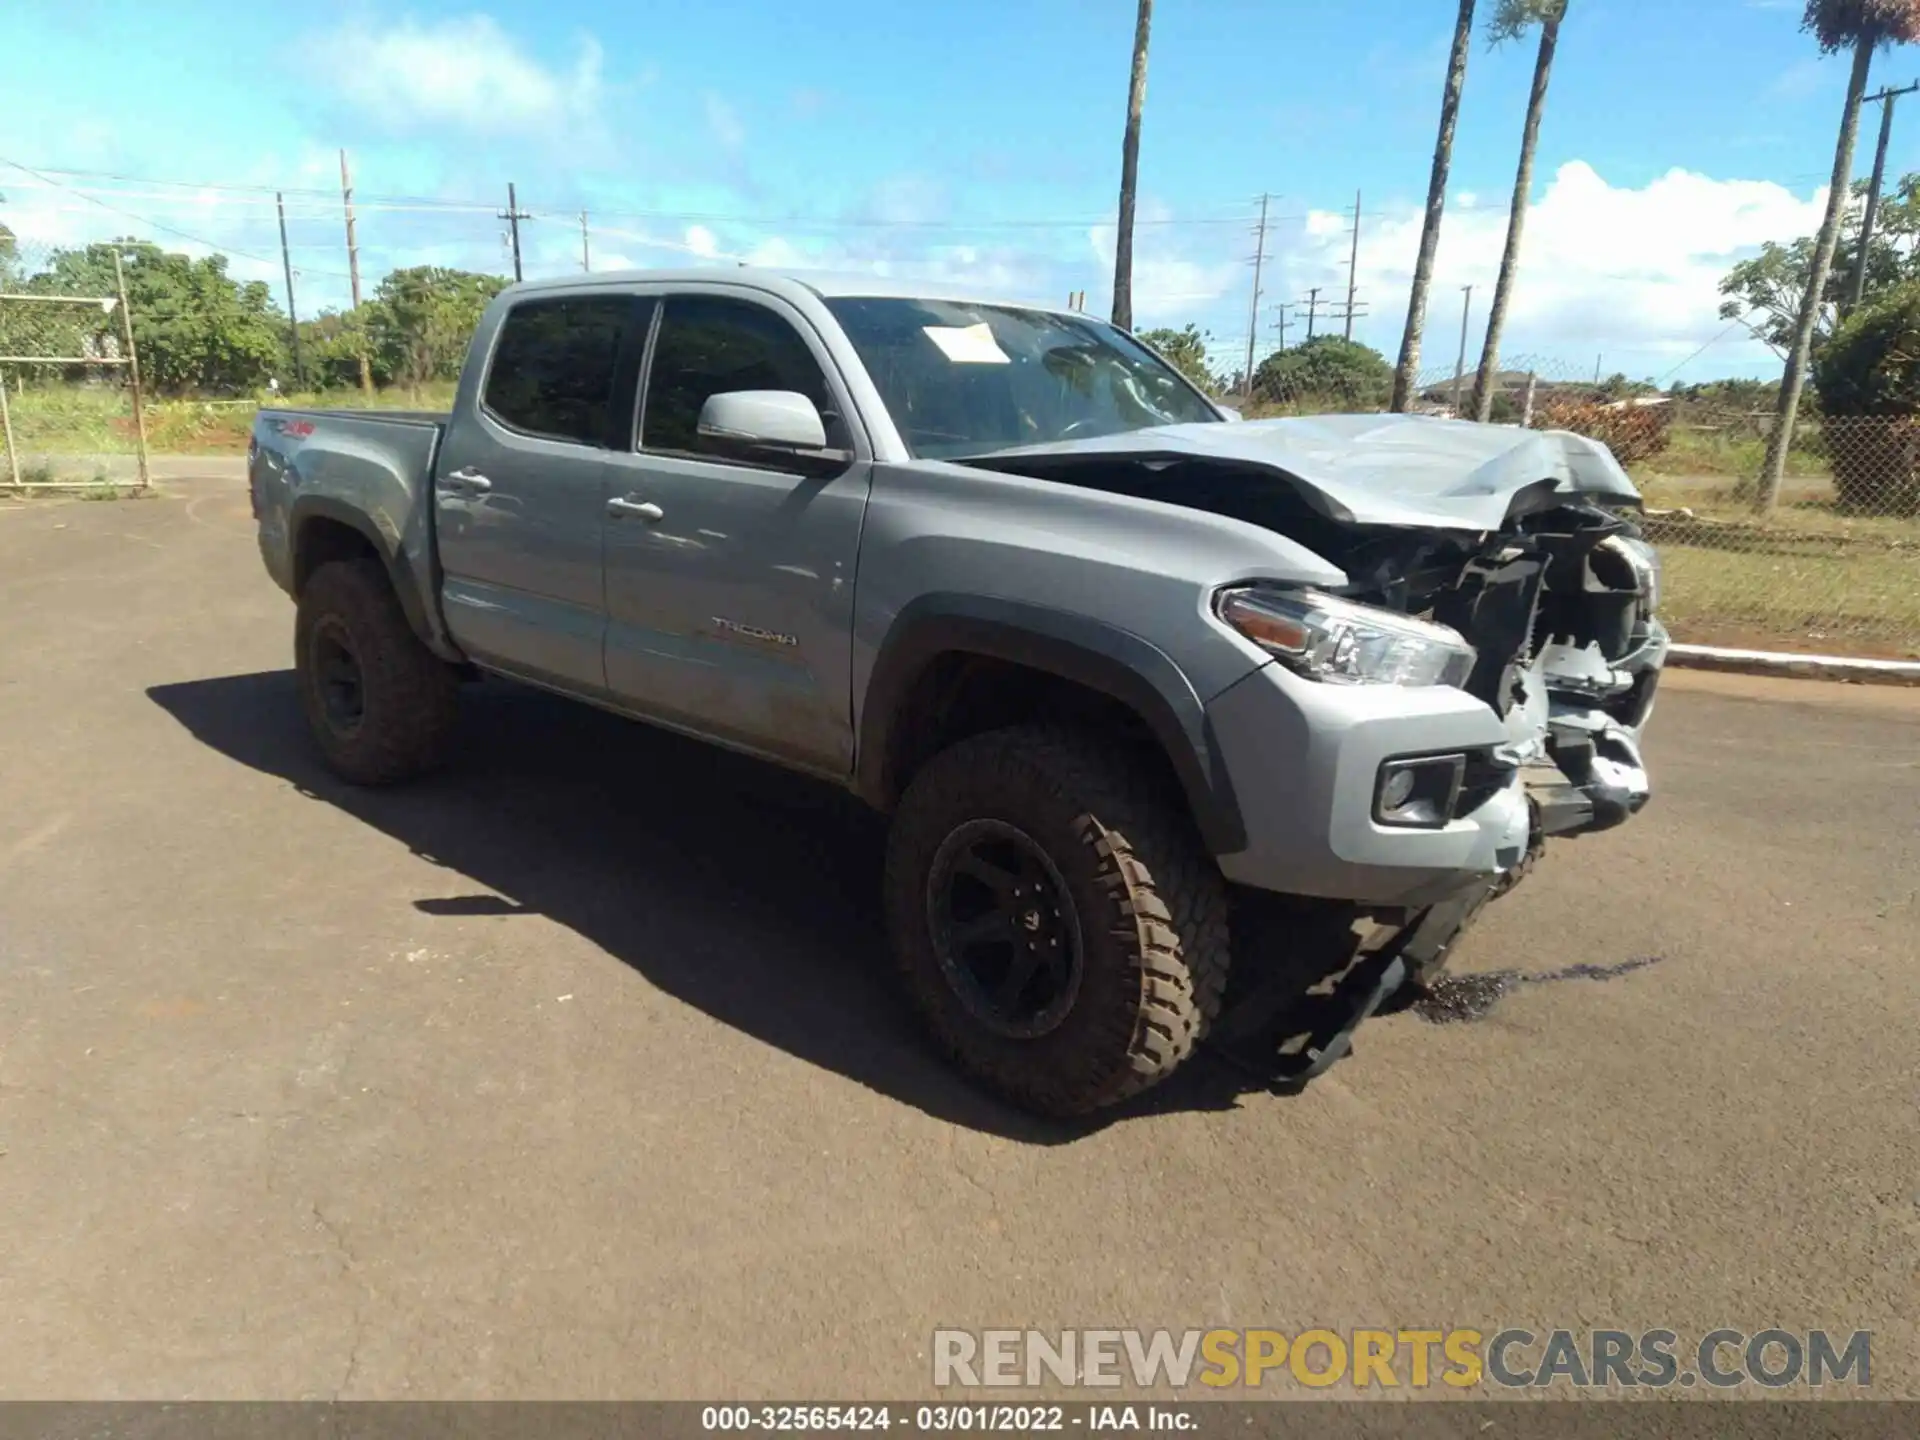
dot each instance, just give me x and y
(1459, 1358)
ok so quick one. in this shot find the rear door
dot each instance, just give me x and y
(519, 490)
(730, 585)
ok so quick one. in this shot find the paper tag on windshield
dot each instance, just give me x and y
(967, 344)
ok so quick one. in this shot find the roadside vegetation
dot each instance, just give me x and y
(98, 419)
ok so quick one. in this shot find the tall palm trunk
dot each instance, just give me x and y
(1484, 383)
(1767, 494)
(1407, 372)
(1130, 173)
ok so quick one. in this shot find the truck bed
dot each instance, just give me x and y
(372, 468)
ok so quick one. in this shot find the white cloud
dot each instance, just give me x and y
(464, 72)
(1632, 272)
(1168, 287)
(725, 123)
(907, 199)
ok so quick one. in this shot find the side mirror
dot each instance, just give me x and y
(769, 424)
(778, 419)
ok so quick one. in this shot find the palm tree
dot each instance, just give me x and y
(1130, 173)
(1406, 373)
(1510, 20)
(1862, 26)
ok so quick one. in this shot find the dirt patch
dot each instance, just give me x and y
(1463, 999)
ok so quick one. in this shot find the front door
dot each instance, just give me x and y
(729, 585)
(519, 488)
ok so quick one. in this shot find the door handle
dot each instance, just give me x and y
(470, 480)
(644, 509)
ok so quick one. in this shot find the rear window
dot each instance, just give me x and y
(554, 367)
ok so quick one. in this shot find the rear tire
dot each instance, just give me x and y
(1094, 875)
(380, 704)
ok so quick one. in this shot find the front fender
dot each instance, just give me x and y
(1087, 651)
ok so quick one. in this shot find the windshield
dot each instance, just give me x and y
(962, 379)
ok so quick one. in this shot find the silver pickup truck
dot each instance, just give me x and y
(1176, 717)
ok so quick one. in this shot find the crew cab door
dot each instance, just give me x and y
(730, 585)
(519, 489)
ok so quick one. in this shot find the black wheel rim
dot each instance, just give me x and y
(1004, 929)
(337, 678)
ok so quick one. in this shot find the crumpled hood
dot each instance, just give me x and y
(1403, 470)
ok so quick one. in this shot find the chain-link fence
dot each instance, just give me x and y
(1830, 562)
(70, 389)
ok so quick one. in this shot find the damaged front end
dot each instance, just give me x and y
(1525, 545)
(1560, 610)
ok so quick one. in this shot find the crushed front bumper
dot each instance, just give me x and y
(1308, 759)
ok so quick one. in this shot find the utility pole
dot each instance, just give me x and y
(1353, 264)
(1280, 324)
(353, 269)
(586, 259)
(1253, 318)
(1857, 281)
(1460, 365)
(513, 215)
(286, 265)
(1313, 309)
(133, 376)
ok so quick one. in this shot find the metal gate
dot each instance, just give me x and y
(62, 346)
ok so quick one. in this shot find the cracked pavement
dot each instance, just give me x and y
(577, 1071)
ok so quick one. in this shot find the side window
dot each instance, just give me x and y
(708, 345)
(555, 366)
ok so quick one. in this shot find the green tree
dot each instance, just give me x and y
(199, 331)
(1130, 171)
(1868, 379)
(1764, 292)
(1862, 26)
(421, 319)
(1512, 19)
(1407, 372)
(334, 343)
(1327, 370)
(1186, 351)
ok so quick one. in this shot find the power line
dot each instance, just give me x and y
(1701, 351)
(155, 224)
(368, 201)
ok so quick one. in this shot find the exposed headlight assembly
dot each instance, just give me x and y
(1343, 643)
(1644, 561)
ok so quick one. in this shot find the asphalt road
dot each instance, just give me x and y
(576, 1071)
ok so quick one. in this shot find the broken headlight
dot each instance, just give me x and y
(1645, 563)
(1326, 638)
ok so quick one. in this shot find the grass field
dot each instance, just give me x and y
(1712, 451)
(1808, 576)
(97, 420)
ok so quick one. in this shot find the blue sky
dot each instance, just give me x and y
(961, 142)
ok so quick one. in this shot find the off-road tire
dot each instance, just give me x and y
(1151, 905)
(409, 696)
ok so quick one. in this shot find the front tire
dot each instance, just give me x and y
(1057, 922)
(380, 704)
